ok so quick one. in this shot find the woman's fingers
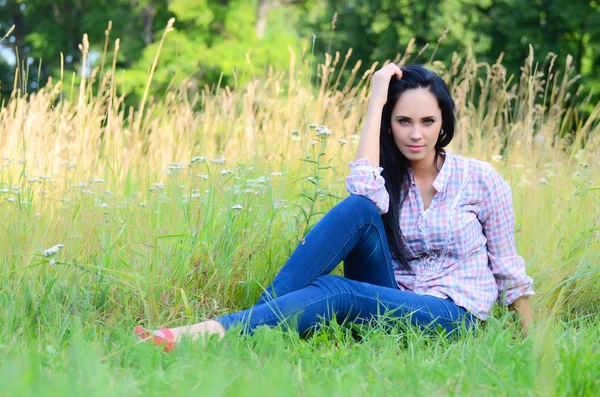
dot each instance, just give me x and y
(381, 80)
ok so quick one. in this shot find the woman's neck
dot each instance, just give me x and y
(426, 168)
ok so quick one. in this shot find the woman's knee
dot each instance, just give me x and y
(357, 206)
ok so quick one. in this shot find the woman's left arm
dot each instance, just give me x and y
(508, 267)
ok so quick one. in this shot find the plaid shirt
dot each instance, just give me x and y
(462, 247)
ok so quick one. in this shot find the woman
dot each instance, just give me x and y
(429, 235)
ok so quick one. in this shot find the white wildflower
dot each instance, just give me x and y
(203, 176)
(218, 161)
(159, 185)
(53, 250)
(342, 142)
(10, 199)
(295, 133)
(65, 199)
(44, 176)
(236, 207)
(195, 195)
(543, 181)
(227, 172)
(584, 165)
(142, 204)
(497, 157)
(37, 214)
(32, 180)
(86, 191)
(176, 166)
(198, 159)
(312, 126)
(103, 205)
(4, 191)
(52, 262)
(313, 142)
(98, 180)
(279, 173)
(322, 130)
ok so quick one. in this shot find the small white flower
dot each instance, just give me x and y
(32, 180)
(584, 165)
(236, 207)
(53, 250)
(44, 176)
(322, 130)
(103, 205)
(218, 161)
(312, 126)
(176, 166)
(198, 159)
(497, 157)
(203, 176)
(37, 214)
(313, 142)
(342, 142)
(52, 262)
(10, 199)
(295, 133)
(279, 173)
(142, 204)
(543, 181)
(159, 185)
(226, 172)
(4, 191)
(97, 180)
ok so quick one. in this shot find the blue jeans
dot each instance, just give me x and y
(303, 294)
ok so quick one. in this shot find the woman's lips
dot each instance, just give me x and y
(414, 148)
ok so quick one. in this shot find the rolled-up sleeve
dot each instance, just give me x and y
(497, 218)
(366, 180)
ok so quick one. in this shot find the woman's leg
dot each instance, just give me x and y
(348, 300)
(351, 231)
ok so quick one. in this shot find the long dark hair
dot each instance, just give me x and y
(395, 166)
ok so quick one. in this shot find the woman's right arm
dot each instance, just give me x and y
(365, 174)
(368, 146)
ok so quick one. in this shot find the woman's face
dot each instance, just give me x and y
(416, 123)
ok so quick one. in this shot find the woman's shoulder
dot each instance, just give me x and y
(480, 172)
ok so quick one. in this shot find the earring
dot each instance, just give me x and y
(441, 131)
(389, 130)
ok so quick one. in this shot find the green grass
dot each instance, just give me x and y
(158, 256)
(162, 246)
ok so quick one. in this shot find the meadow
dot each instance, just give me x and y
(183, 207)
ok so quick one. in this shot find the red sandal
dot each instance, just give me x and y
(162, 337)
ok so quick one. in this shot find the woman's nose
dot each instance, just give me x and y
(415, 133)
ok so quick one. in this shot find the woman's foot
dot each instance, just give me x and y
(162, 337)
(169, 336)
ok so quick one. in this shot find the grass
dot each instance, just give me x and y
(154, 234)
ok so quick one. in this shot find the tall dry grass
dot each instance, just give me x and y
(529, 126)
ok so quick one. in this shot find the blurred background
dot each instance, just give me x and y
(214, 39)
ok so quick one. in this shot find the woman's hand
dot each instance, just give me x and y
(380, 83)
(523, 309)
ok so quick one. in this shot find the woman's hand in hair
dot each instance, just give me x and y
(380, 83)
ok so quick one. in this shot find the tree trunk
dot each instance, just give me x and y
(261, 17)
(148, 15)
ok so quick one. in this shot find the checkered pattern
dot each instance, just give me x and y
(462, 246)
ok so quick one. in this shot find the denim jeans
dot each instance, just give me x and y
(304, 294)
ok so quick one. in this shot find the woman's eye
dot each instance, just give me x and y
(403, 122)
(428, 122)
